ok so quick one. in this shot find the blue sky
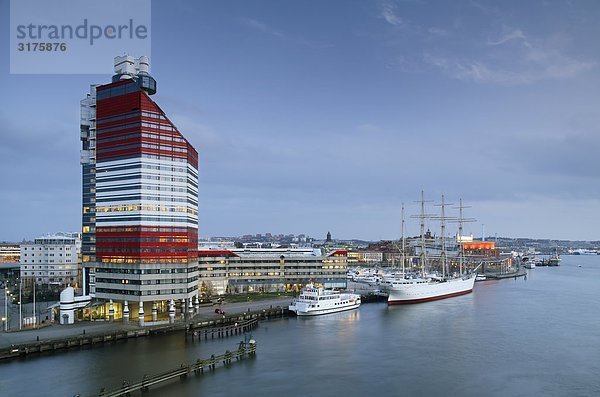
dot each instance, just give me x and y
(316, 116)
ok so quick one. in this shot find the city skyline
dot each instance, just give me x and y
(313, 117)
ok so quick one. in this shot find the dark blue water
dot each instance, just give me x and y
(539, 336)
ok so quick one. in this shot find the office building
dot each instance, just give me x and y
(269, 270)
(140, 196)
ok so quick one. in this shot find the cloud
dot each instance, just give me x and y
(485, 9)
(368, 129)
(509, 55)
(266, 29)
(438, 31)
(506, 36)
(469, 70)
(388, 12)
(261, 27)
(524, 65)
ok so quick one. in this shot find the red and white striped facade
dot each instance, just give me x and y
(146, 190)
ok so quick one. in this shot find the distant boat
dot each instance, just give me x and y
(552, 261)
(530, 263)
(583, 251)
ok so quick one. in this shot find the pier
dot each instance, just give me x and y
(216, 328)
(235, 324)
(520, 272)
(67, 343)
(223, 331)
(244, 350)
(373, 298)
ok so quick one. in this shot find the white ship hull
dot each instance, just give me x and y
(415, 291)
(302, 310)
(316, 301)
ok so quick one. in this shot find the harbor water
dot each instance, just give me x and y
(538, 335)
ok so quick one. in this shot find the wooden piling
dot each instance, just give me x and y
(182, 371)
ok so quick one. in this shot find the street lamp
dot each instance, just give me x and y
(6, 295)
(20, 305)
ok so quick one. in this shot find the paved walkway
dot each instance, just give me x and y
(56, 331)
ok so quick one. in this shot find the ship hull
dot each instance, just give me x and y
(425, 292)
(313, 312)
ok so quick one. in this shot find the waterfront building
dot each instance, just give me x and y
(140, 197)
(353, 257)
(9, 253)
(51, 261)
(88, 196)
(269, 270)
(366, 257)
(370, 257)
(212, 245)
(484, 249)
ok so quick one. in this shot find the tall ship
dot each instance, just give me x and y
(314, 301)
(414, 288)
(423, 289)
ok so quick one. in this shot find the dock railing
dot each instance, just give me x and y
(244, 350)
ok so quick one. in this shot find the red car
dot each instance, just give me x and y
(219, 311)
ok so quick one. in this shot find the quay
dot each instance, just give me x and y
(224, 327)
(520, 272)
(56, 338)
(244, 350)
(373, 298)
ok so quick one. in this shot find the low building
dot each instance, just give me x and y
(9, 253)
(51, 260)
(353, 257)
(269, 270)
(484, 249)
(370, 257)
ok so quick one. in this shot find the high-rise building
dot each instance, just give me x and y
(140, 196)
(88, 168)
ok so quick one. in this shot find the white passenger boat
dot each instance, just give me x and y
(314, 301)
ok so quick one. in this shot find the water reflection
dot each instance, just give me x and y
(534, 337)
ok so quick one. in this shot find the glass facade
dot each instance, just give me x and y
(140, 197)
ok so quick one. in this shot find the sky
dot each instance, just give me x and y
(315, 116)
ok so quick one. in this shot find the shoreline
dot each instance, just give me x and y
(205, 315)
(86, 333)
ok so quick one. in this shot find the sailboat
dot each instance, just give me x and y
(427, 287)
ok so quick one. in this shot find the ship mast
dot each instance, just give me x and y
(460, 231)
(459, 238)
(443, 219)
(423, 250)
(443, 227)
(403, 243)
(422, 216)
